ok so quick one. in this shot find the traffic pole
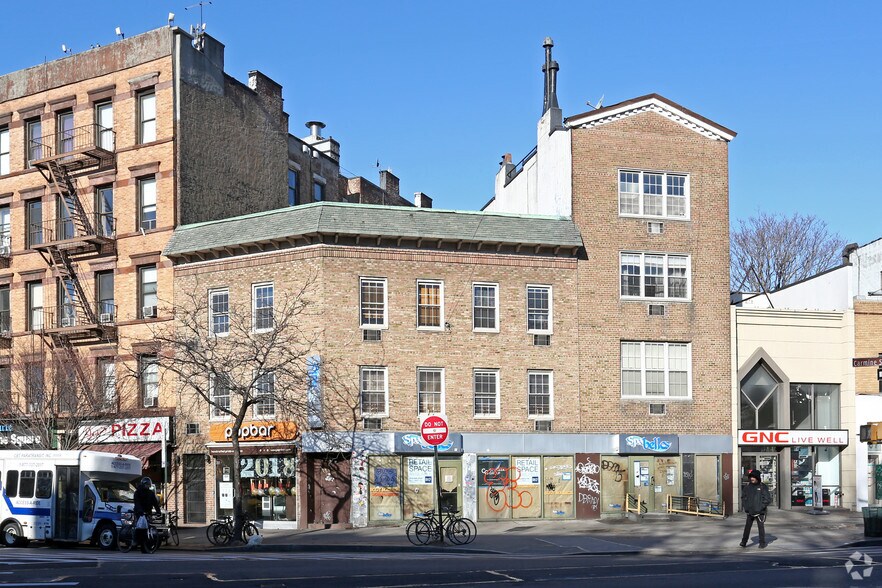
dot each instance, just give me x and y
(438, 486)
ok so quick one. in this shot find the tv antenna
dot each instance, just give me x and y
(201, 4)
(199, 30)
(599, 103)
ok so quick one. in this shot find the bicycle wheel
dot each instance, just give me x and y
(124, 539)
(459, 532)
(424, 532)
(151, 542)
(410, 531)
(223, 534)
(209, 532)
(249, 530)
(173, 535)
(473, 529)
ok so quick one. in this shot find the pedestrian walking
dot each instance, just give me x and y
(755, 499)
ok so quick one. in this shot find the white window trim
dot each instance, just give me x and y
(498, 414)
(440, 284)
(255, 405)
(667, 395)
(385, 324)
(211, 293)
(550, 329)
(665, 276)
(254, 288)
(496, 309)
(7, 153)
(443, 390)
(664, 215)
(550, 415)
(385, 371)
(211, 407)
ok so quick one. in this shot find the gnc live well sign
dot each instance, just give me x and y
(793, 437)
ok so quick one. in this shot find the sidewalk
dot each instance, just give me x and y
(785, 531)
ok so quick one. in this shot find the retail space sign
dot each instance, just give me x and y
(413, 443)
(793, 437)
(136, 430)
(420, 471)
(648, 444)
(255, 431)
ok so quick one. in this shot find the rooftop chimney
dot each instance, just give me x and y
(421, 200)
(550, 70)
(846, 252)
(315, 130)
(389, 183)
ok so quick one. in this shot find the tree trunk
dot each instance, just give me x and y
(238, 512)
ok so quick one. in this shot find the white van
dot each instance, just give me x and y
(64, 495)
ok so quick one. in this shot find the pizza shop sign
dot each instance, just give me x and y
(126, 431)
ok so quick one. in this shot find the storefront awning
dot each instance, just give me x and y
(143, 451)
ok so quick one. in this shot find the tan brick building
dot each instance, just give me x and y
(575, 332)
(102, 154)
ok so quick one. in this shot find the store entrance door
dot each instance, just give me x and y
(767, 464)
(329, 489)
(654, 478)
(451, 484)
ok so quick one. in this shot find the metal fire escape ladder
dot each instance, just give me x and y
(64, 184)
(63, 344)
(66, 270)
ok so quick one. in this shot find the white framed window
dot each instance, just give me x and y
(219, 393)
(107, 382)
(655, 194)
(539, 317)
(104, 120)
(373, 309)
(147, 203)
(146, 117)
(264, 394)
(430, 305)
(485, 307)
(262, 300)
(374, 391)
(4, 150)
(149, 370)
(219, 312)
(430, 390)
(540, 395)
(655, 276)
(656, 370)
(485, 386)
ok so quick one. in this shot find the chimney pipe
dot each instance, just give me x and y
(846, 252)
(315, 128)
(550, 69)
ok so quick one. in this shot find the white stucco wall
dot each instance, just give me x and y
(866, 264)
(869, 409)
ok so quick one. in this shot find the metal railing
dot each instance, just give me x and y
(68, 315)
(519, 166)
(62, 229)
(83, 138)
(693, 505)
(635, 504)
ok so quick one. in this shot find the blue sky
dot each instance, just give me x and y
(437, 92)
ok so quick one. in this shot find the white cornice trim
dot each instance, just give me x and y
(655, 105)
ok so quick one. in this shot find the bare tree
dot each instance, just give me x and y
(770, 251)
(52, 392)
(244, 361)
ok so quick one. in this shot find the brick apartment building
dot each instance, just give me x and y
(575, 331)
(102, 155)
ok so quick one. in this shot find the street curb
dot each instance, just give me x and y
(348, 548)
(864, 543)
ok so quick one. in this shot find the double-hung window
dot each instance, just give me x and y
(64, 131)
(654, 275)
(539, 309)
(104, 211)
(430, 305)
(219, 393)
(106, 372)
(374, 392)
(654, 194)
(147, 203)
(147, 292)
(485, 307)
(34, 141)
(540, 395)
(104, 120)
(219, 312)
(146, 117)
(318, 191)
(373, 309)
(430, 390)
(149, 371)
(486, 393)
(35, 305)
(263, 296)
(293, 192)
(5, 235)
(34, 220)
(4, 150)
(656, 370)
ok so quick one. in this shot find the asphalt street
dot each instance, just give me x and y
(87, 567)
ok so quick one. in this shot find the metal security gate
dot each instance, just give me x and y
(194, 488)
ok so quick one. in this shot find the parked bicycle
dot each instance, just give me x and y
(220, 531)
(125, 539)
(167, 527)
(429, 527)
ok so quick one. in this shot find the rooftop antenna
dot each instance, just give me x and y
(119, 33)
(199, 30)
(599, 104)
(65, 48)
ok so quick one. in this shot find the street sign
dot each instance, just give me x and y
(433, 429)
(866, 361)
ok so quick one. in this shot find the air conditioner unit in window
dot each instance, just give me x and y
(372, 335)
(68, 321)
(373, 424)
(656, 310)
(105, 318)
(150, 402)
(148, 312)
(543, 426)
(192, 428)
(5, 250)
(541, 340)
(655, 228)
(657, 409)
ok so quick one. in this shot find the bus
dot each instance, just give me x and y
(69, 496)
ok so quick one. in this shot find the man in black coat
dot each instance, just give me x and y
(145, 501)
(755, 498)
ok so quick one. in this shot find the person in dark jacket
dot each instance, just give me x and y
(145, 501)
(755, 499)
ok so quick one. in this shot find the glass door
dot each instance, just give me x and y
(767, 464)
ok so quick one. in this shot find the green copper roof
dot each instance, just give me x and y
(336, 218)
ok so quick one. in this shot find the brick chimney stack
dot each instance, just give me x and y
(422, 200)
(389, 182)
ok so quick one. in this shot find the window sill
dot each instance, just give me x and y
(549, 333)
(540, 417)
(430, 329)
(657, 398)
(375, 416)
(653, 217)
(487, 417)
(474, 330)
(374, 327)
(262, 331)
(645, 300)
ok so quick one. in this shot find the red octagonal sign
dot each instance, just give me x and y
(434, 430)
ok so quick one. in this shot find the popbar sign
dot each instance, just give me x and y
(793, 437)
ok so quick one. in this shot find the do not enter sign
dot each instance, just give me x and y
(434, 430)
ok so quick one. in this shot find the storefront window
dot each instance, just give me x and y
(613, 483)
(525, 487)
(400, 486)
(268, 486)
(759, 399)
(814, 406)
(384, 488)
(806, 462)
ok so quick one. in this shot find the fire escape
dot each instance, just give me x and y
(76, 234)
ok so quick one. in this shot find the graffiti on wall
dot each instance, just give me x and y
(588, 482)
(503, 491)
